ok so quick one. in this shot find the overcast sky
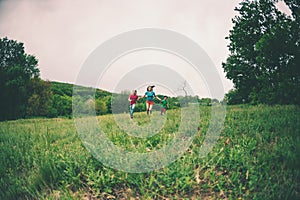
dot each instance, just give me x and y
(63, 33)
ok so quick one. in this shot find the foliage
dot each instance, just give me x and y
(295, 7)
(16, 71)
(264, 53)
(62, 88)
(233, 97)
(62, 105)
(257, 157)
(87, 99)
(41, 99)
(24, 94)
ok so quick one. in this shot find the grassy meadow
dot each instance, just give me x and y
(256, 157)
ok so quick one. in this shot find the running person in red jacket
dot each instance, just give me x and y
(133, 97)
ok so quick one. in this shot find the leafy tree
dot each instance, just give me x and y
(62, 105)
(16, 70)
(233, 97)
(101, 94)
(62, 88)
(78, 102)
(119, 103)
(41, 99)
(294, 5)
(264, 54)
(100, 107)
(279, 57)
(205, 101)
(173, 102)
(89, 106)
(107, 100)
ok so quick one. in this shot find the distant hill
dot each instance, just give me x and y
(61, 88)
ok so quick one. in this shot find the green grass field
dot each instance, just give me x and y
(257, 157)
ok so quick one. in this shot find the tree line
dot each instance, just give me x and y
(25, 94)
(264, 55)
(263, 64)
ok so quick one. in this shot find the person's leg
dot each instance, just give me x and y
(133, 106)
(132, 109)
(147, 107)
(150, 108)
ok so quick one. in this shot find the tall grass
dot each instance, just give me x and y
(257, 157)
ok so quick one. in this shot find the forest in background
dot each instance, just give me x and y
(25, 95)
(263, 65)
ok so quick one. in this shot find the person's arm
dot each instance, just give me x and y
(157, 97)
(129, 98)
(143, 96)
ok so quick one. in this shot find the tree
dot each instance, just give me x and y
(16, 70)
(107, 100)
(184, 88)
(279, 57)
(62, 105)
(264, 54)
(294, 5)
(100, 107)
(119, 102)
(205, 101)
(233, 97)
(40, 101)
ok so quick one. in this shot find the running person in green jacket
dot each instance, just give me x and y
(164, 106)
